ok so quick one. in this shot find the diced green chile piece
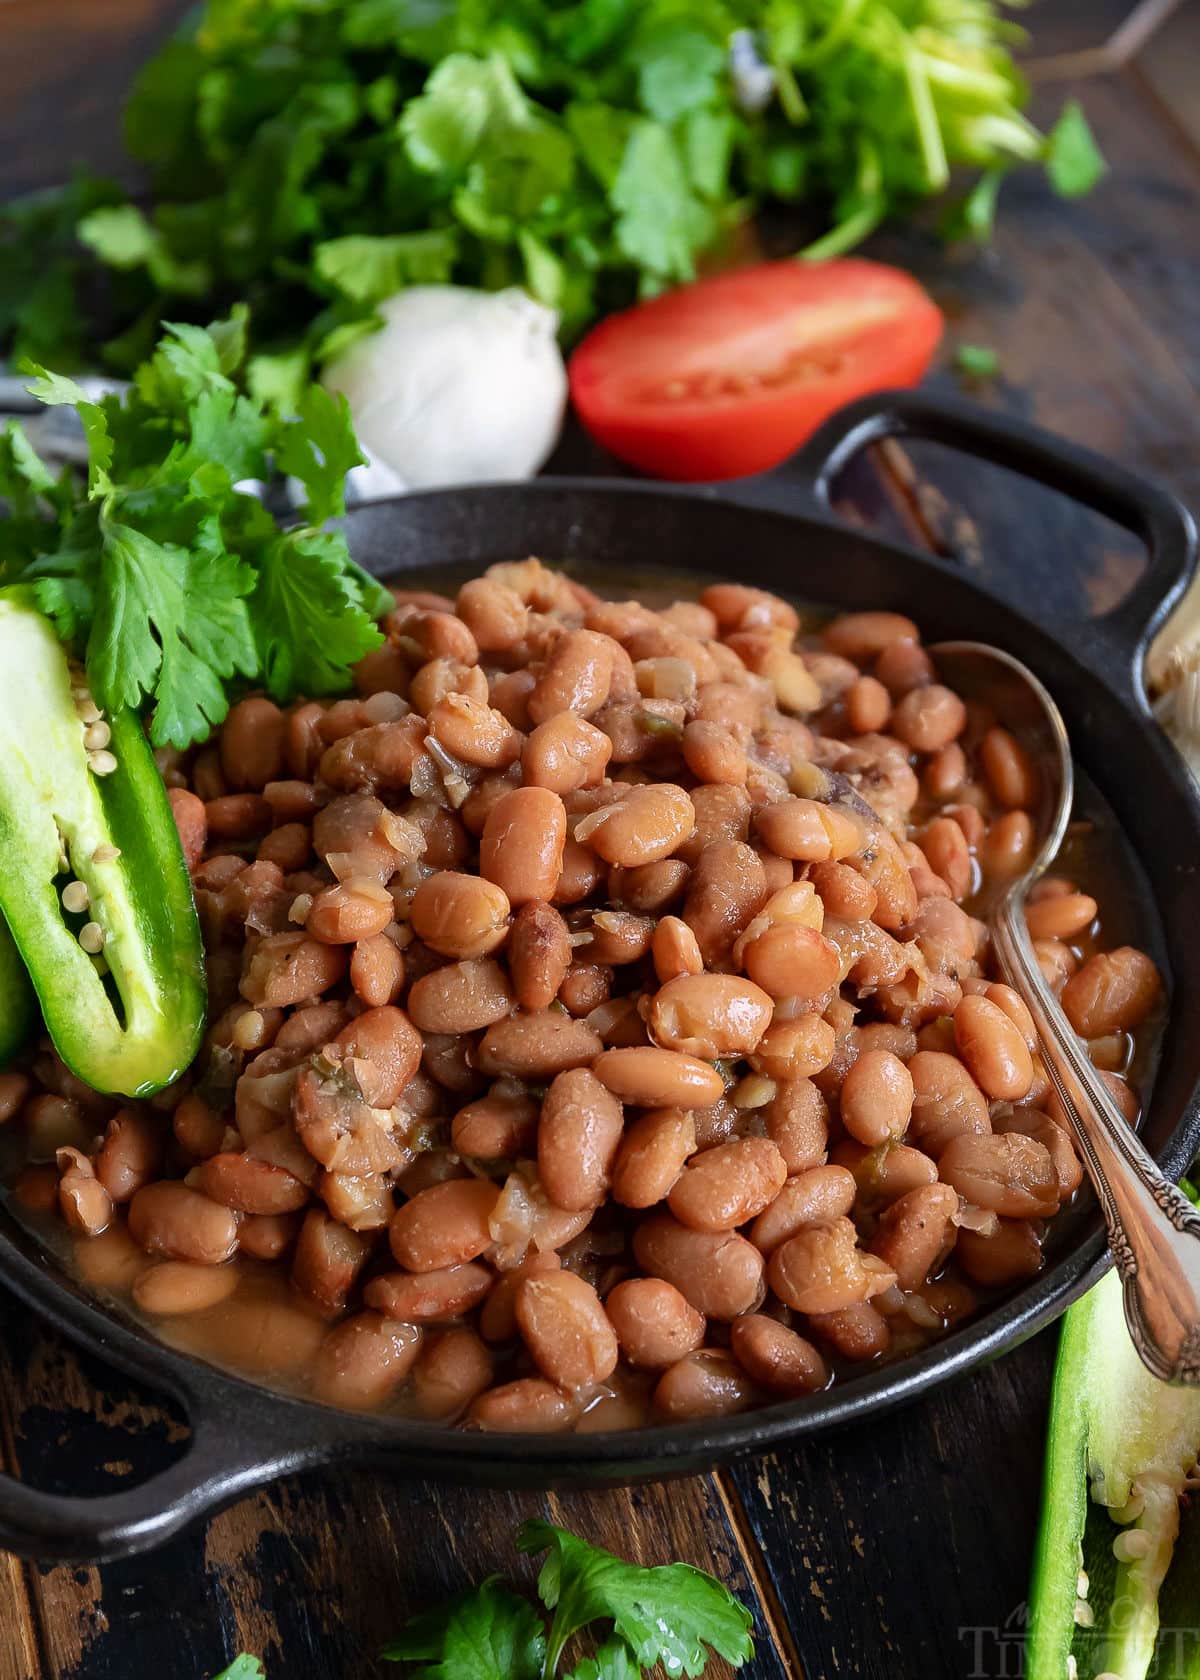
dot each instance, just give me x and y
(1135, 1441)
(18, 1005)
(118, 836)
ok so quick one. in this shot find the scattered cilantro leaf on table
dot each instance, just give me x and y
(170, 583)
(491, 1634)
(242, 1668)
(311, 157)
(978, 361)
(668, 1614)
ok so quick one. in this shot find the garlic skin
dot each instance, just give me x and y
(458, 386)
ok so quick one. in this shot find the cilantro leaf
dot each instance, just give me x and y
(369, 269)
(660, 223)
(242, 1668)
(613, 1661)
(307, 620)
(171, 624)
(319, 448)
(24, 476)
(678, 70)
(980, 361)
(1073, 160)
(490, 1634)
(668, 1614)
(56, 391)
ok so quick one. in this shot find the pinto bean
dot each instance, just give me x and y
(170, 1219)
(797, 1122)
(865, 635)
(856, 1333)
(946, 1101)
(807, 1198)
(496, 1126)
(1062, 917)
(173, 1287)
(537, 1045)
(251, 744)
(131, 1153)
(461, 997)
(707, 1383)
(651, 1155)
(1010, 1174)
(377, 971)
(929, 718)
(265, 1236)
(527, 1406)
(328, 1259)
(192, 823)
(564, 753)
(539, 954)
(580, 1130)
(992, 1046)
(808, 831)
(915, 1234)
(794, 1049)
(675, 950)
(654, 1323)
(649, 1077)
(521, 848)
(821, 1269)
(884, 1173)
(452, 1370)
(430, 1297)
(287, 968)
(386, 1041)
(1011, 773)
(1112, 992)
(727, 889)
(355, 909)
(566, 1330)
(775, 1358)
(84, 1203)
(725, 1186)
(644, 827)
(461, 916)
(445, 1225)
(363, 1360)
(1012, 1253)
(237, 1180)
(877, 1098)
(709, 1015)
(718, 1272)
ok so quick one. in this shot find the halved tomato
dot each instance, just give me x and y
(728, 376)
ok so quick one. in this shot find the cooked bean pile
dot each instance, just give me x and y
(601, 1032)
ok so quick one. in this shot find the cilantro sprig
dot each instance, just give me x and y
(168, 578)
(670, 1615)
(312, 157)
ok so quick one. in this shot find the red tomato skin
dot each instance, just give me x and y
(693, 438)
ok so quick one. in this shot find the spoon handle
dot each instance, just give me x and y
(1153, 1230)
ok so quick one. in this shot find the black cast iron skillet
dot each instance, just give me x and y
(244, 1435)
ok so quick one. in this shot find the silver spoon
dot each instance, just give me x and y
(1153, 1230)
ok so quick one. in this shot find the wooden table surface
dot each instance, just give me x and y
(899, 1548)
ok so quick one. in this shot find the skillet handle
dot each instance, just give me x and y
(218, 1466)
(1137, 504)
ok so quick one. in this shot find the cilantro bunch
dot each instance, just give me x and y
(311, 157)
(669, 1616)
(168, 579)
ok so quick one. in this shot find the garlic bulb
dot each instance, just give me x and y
(457, 386)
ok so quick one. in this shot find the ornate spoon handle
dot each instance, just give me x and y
(1153, 1230)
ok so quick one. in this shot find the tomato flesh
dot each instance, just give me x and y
(730, 375)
